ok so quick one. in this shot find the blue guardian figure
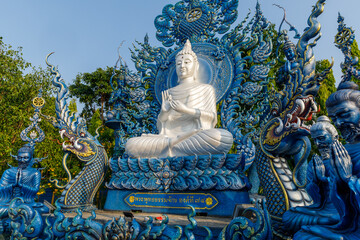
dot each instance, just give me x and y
(22, 181)
(319, 173)
(344, 109)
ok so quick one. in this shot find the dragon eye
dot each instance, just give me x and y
(82, 134)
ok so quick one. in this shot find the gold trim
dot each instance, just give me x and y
(309, 61)
(101, 179)
(88, 153)
(193, 15)
(343, 36)
(287, 206)
(275, 217)
(296, 168)
(38, 102)
(204, 194)
(97, 187)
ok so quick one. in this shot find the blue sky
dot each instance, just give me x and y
(85, 35)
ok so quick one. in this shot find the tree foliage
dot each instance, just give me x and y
(355, 52)
(19, 84)
(93, 90)
(327, 87)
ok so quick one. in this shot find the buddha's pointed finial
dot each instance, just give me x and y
(187, 49)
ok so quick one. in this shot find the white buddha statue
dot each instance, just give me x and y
(187, 119)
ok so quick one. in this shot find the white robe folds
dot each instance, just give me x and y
(182, 134)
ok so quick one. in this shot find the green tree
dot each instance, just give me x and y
(19, 84)
(355, 52)
(327, 87)
(106, 135)
(93, 90)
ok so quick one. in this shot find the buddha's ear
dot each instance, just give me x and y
(197, 66)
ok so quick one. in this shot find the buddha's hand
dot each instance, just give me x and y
(341, 161)
(166, 99)
(182, 108)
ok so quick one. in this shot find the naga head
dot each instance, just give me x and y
(288, 123)
(78, 140)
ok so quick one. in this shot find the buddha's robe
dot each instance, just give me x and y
(182, 134)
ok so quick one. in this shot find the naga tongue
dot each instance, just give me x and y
(309, 117)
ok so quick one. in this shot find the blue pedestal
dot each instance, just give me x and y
(214, 203)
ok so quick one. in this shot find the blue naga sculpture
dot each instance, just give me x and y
(340, 168)
(259, 227)
(80, 191)
(23, 182)
(322, 211)
(284, 134)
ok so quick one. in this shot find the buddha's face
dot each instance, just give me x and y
(186, 66)
(323, 140)
(346, 117)
(24, 159)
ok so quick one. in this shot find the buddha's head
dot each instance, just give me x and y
(187, 64)
(25, 156)
(343, 108)
(324, 134)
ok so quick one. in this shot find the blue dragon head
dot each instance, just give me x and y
(78, 140)
(288, 125)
